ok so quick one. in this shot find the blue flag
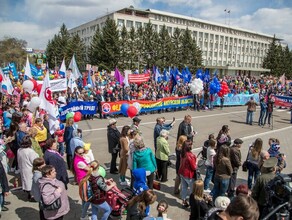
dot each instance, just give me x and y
(34, 70)
(165, 75)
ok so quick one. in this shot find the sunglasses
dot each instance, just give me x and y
(81, 153)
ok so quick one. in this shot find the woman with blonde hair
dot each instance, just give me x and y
(68, 135)
(178, 148)
(253, 160)
(99, 186)
(41, 135)
(198, 201)
(138, 206)
(124, 142)
(35, 144)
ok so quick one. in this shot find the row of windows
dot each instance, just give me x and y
(224, 63)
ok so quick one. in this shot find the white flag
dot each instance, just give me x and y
(72, 82)
(62, 70)
(73, 66)
(27, 69)
(6, 85)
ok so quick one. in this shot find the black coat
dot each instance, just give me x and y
(113, 137)
(184, 129)
(3, 179)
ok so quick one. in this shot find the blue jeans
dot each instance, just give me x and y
(253, 173)
(220, 187)
(249, 117)
(104, 207)
(85, 206)
(61, 148)
(208, 177)
(185, 184)
(261, 118)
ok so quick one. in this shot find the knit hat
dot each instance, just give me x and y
(87, 146)
(222, 202)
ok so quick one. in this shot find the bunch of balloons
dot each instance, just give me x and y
(214, 86)
(31, 85)
(224, 89)
(76, 116)
(196, 86)
(130, 110)
(34, 103)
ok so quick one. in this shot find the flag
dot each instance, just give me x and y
(13, 70)
(27, 71)
(46, 97)
(6, 85)
(165, 75)
(73, 66)
(282, 80)
(186, 74)
(126, 79)
(157, 75)
(118, 76)
(34, 70)
(72, 82)
(189, 74)
(62, 70)
(89, 79)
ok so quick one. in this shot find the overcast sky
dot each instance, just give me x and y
(36, 21)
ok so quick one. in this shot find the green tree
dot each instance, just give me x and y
(76, 46)
(187, 46)
(94, 54)
(164, 49)
(12, 50)
(150, 46)
(132, 43)
(176, 41)
(124, 49)
(272, 59)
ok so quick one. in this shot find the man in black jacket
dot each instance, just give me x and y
(113, 137)
(186, 128)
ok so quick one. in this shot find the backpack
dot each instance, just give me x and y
(85, 191)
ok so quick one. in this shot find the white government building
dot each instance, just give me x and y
(229, 49)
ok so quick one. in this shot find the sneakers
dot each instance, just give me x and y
(185, 204)
(207, 190)
(124, 183)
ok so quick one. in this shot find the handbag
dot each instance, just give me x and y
(49, 207)
(245, 163)
(156, 185)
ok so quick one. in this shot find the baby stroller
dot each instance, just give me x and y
(117, 199)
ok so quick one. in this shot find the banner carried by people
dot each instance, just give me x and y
(138, 78)
(283, 101)
(85, 108)
(239, 99)
(57, 84)
(146, 106)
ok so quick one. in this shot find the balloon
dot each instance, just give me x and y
(69, 115)
(28, 86)
(89, 86)
(196, 86)
(39, 88)
(34, 103)
(1, 78)
(35, 84)
(77, 116)
(132, 111)
(62, 126)
(101, 171)
(137, 106)
(124, 108)
(51, 76)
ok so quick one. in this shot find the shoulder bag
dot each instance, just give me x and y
(244, 165)
(49, 207)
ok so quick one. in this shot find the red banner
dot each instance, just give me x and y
(138, 78)
(284, 101)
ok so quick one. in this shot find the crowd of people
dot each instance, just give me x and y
(43, 159)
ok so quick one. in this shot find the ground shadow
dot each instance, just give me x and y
(20, 194)
(75, 209)
(27, 213)
(239, 122)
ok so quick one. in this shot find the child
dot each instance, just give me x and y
(88, 155)
(162, 208)
(274, 152)
(209, 164)
(60, 135)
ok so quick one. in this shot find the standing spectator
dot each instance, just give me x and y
(162, 154)
(144, 158)
(113, 138)
(209, 164)
(223, 171)
(259, 190)
(11, 142)
(100, 99)
(35, 145)
(223, 137)
(52, 189)
(270, 107)
(41, 135)
(253, 159)
(186, 128)
(52, 157)
(196, 101)
(187, 170)
(7, 116)
(235, 158)
(135, 125)
(124, 142)
(76, 141)
(5, 188)
(47, 125)
(68, 135)
(38, 164)
(80, 166)
(178, 149)
(60, 139)
(251, 108)
(159, 127)
(263, 112)
(25, 157)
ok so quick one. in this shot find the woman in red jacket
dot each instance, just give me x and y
(187, 170)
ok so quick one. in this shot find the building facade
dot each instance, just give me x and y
(228, 49)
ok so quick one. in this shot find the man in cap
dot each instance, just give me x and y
(259, 191)
(235, 158)
(113, 137)
(135, 125)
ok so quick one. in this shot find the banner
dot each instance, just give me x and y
(138, 78)
(57, 84)
(239, 99)
(284, 101)
(85, 108)
(169, 102)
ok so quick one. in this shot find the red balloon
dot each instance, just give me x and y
(77, 116)
(39, 88)
(35, 84)
(132, 111)
(220, 94)
(1, 78)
